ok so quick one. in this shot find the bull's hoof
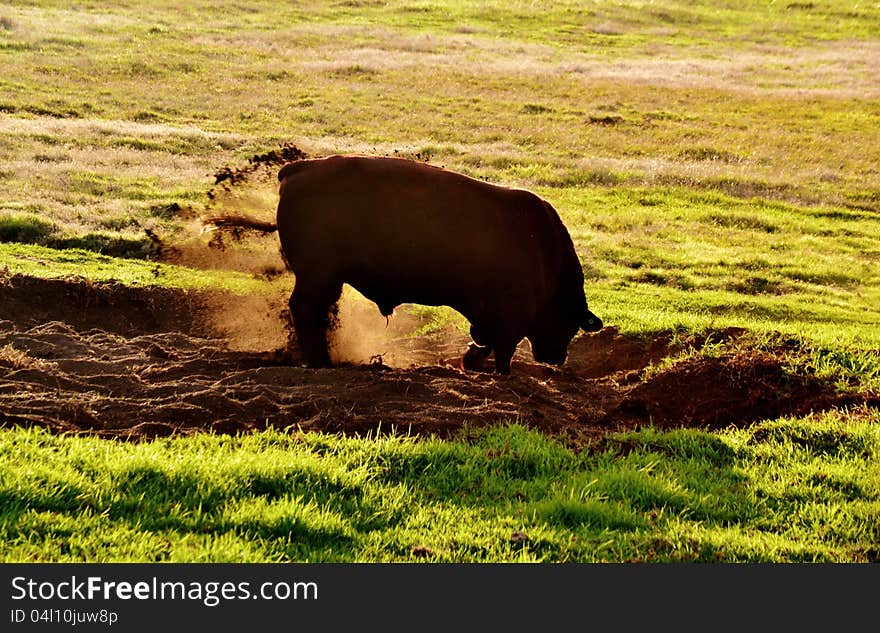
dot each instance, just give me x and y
(474, 358)
(283, 356)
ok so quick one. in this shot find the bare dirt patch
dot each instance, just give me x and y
(130, 362)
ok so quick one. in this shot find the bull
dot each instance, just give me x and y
(401, 231)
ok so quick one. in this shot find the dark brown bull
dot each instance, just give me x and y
(401, 231)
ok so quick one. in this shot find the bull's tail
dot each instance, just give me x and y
(238, 222)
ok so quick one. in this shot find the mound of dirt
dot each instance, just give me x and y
(142, 362)
(732, 389)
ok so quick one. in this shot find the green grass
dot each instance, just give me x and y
(39, 261)
(783, 491)
(715, 163)
(662, 259)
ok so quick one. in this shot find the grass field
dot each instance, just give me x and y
(793, 490)
(715, 163)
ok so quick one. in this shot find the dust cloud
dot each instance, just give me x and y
(363, 336)
(198, 244)
(248, 323)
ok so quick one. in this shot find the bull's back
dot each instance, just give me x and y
(420, 231)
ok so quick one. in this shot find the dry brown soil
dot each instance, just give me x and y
(129, 362)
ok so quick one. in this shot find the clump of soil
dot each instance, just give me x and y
(234, 231)
(228, 177)
(130, 362)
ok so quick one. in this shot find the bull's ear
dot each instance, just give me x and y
(590, 322)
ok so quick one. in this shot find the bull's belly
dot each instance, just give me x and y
(389, 295)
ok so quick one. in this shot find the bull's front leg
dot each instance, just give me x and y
(486, 340)
(474, 358)
(505, 337)
(504, 350)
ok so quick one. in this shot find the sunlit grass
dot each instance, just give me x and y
(40, 261)
(790, 490)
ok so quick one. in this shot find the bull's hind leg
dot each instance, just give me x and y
(311, 307)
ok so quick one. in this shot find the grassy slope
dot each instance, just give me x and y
(716, 164)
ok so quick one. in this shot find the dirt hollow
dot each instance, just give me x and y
(126, 362)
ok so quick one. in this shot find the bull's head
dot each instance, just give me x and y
(590, 322)
(555, 328)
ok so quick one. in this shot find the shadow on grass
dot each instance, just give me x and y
(27, 228)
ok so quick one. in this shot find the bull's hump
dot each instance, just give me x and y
(393, 169)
